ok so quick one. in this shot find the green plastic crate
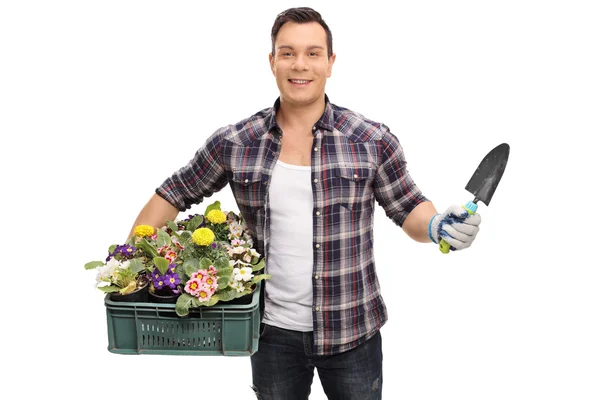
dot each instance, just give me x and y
(153, 328)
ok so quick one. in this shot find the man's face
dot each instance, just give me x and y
(300, 63)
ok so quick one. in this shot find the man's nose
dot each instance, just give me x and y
(300, 64)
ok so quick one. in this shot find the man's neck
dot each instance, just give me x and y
(299, 118)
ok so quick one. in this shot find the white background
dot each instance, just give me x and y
(100, 101)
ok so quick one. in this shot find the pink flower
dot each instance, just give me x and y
(171, 256)
(200, 274)
(193, 287)
(204, 294)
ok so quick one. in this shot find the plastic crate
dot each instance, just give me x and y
(154, 328)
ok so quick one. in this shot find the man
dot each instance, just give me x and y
(305, 175)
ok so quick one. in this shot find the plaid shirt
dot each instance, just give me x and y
(354, 162)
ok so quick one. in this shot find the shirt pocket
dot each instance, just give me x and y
(248, 189)
(354, 186)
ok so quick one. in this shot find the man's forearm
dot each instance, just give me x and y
(417, 223)
(155, 213)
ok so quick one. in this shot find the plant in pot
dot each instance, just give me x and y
(194, 262)
(218, 260)
(122, 274)
(165, 285)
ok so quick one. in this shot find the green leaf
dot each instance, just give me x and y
(205, 263)
(184, 302)
(163, 238)
(221, 263)
(172, 226)
(112, 248)
(258, 278)
(93, 264)
(225, 272)
(214, 206)
(212, 301)
(147, 248)
(191, 265)
(162, 264)
(185, 237)
(195, 223)
(109, 289)
(136, 265)
(259, 266)
(222, 282)
(244, 292)
(228, 294)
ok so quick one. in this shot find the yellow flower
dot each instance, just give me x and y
(216, 216)
(203, 236)
(143, 230)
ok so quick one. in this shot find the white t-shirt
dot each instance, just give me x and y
(288, 294)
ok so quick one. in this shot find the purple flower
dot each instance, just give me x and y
(172, 267)
(125, 252)
(172, 280)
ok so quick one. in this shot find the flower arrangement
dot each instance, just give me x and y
(201, 260)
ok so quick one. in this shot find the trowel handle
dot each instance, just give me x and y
(471, 208)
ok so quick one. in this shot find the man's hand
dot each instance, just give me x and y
(455, 226)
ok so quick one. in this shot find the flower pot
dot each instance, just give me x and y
(139, 295)
(156, 297)
(246, 299)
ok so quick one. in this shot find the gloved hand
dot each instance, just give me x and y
(455, 226)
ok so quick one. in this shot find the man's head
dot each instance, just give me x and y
(300, 15)
(302, 56)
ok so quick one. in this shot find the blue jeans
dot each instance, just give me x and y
(283, 368)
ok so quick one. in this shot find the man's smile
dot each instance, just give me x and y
(299, 82)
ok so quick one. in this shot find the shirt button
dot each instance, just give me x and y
(246, 181)
(316, 149)
(316, 276)
(316, 181)
(355, 176)
(314, 128)
(317, 245)
(318, 213)
(317, 308)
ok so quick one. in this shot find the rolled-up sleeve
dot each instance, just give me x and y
(394, 189)
(201, 177)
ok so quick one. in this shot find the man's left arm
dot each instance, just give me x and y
(404, 203)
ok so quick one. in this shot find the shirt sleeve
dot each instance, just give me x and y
(394, 189)
(201, 177)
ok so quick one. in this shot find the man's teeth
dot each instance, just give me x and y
(299, 81)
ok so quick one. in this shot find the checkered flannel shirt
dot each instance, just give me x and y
(354, 162)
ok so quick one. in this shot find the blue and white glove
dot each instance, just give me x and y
(455, 226)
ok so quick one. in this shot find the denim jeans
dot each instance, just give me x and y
(283, 368)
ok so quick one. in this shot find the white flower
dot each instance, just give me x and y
(239, 286)
(112, 263)
(242, 274)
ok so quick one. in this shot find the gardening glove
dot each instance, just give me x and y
(455, 226)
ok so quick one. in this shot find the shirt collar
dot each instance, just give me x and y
(325, 122)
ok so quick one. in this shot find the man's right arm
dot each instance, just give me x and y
(155, 213)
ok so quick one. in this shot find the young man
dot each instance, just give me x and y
(305, 175)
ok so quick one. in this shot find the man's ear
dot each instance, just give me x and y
(272, 63)
(330, 66)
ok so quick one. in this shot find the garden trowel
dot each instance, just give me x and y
(484, 181)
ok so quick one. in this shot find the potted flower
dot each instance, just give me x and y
(198, 261)
(158, 253)
(122, 274)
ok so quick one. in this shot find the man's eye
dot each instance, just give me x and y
(286, 54)
(313, 54)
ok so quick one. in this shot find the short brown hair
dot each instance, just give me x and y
(300, 15)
